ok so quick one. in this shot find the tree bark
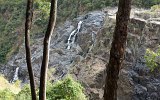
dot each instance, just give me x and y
(117, 49)
(29, 15)
(46, 49)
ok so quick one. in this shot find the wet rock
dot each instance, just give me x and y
(90, 27)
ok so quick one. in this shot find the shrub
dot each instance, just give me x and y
(7, 90)
(152, 59)
(6, 95)
(24, 94)
(67, 89)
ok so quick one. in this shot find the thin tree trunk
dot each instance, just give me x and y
(46, 49)
(117, 50)
(29, 15)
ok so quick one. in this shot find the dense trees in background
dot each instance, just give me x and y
(73, 8)
(11, 15)
(145, 3)
(70, 8)
(117, 50)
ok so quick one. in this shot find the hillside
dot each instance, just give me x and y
(88, 56)
(80, 47)
(12, 18)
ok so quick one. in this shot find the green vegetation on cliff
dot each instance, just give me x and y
(152, 59)
(11, 17)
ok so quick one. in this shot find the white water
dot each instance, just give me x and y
(15, 77)
(73, 34)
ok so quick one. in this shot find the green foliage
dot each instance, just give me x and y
(50, 73)
(66, 89)
(17, 83)
(145, 3)
(42, 9)
(24, 94)
(152, 59)
(73, 8)
(11, 16)
(8, 91)
(5, 85)
(6, 95)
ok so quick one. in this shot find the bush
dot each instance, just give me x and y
(24, 94)
(67, 89)
(5, 85)
(152, 59)
(7, 90)
(6, 95)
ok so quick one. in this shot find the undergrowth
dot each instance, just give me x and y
(66, 89)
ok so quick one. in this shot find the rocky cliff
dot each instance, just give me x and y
(89, 53)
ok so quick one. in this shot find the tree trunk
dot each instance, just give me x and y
(117, 50)
(29, 15)
(46, 49)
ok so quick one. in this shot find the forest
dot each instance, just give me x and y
(79, 49)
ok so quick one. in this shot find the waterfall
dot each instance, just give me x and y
(15, 77)
(73, 35)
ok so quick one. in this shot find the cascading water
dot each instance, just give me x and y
(15, 77)
(73, 34)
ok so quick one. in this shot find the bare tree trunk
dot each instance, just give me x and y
(46, 49)
(29, 15)
(117, 50)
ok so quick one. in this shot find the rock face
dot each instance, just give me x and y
(89, 55)
(143, 34)
(136, 81)
(60, 58)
